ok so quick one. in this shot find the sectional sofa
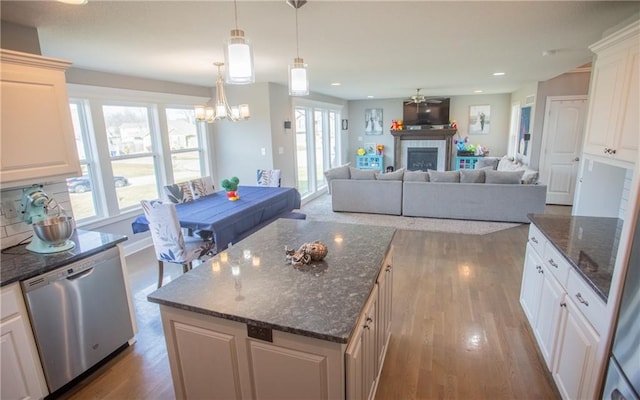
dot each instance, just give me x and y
(487, 193)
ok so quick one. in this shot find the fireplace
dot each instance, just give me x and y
(422, 158)
(442, 139)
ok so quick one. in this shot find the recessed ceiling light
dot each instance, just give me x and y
(477, 91)
(498, 73)
(369, 97)
(336, 83)
(74, 2)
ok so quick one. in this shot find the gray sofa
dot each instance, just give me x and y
(507, 202)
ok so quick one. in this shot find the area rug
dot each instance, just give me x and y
(319, 209)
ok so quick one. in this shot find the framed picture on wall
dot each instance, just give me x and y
(524, 135)
(373, 121)
(479, 119)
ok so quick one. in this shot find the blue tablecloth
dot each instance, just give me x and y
(228, 220)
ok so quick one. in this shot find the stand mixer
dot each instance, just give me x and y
(35, 206)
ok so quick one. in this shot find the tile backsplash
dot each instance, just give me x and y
(13, 229)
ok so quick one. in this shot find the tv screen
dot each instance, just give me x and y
(431, 112)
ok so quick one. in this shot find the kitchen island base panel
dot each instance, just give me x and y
(214, 358)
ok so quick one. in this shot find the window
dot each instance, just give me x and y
(317, 146)
(184, 142)
(131, 149)
(83, 199)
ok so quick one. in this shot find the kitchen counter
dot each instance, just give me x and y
(18, 263)
(590, 244)
(322, 301)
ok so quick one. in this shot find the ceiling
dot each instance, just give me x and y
(384, 49)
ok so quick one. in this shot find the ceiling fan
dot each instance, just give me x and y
(418, 98)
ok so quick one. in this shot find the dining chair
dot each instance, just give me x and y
(202, 186)
(168, 240)
(269, 177)
(178, 192)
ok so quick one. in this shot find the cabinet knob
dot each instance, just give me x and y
(606, 150)
(563, 304)
(576, 159)
(534, 240)
(388, 268)
(612, 151)
(553, 263)
(581, 299)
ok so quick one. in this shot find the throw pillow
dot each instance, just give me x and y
(444, 176)
(507, 164)
(178, 192)
(362, 174)
(416, 176)
(485, 162)
(471, 176)
(530, 176)
(391, 176)
(508, 177)
(341, 172)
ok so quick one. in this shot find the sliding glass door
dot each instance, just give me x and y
(317, 146)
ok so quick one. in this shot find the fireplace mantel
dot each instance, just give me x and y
(423, 134)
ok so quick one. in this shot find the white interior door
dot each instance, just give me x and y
(562, 135)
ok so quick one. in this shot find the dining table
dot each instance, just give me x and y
(229, 221)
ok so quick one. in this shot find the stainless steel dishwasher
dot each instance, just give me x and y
(80, 315)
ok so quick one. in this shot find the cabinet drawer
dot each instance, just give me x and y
(587, 301)
(537, 239)
(556, 263)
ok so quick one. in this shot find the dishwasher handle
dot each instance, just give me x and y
(81, 274)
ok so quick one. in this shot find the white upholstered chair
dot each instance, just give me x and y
(268, 177)
(168, 240)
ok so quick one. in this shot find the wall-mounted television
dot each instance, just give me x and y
(431, 112)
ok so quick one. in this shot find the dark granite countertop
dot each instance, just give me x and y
(18, 263)
(590, 244)
(323, 300)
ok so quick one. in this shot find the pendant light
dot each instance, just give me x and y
(238, 55)
(298, 79)
(222, 109)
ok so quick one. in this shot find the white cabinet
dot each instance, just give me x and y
(612, 122)
(565, 314)
(383, 331)
(37, 143)
(20, 370)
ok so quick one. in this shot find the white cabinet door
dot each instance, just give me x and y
(626, 143)
(37, 140)
(383, 331)
(532, 278)
(360, 356)
(612, 123)
(20, 371)
(551, 296)
(574, 365)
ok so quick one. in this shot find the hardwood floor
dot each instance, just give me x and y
(458, 329)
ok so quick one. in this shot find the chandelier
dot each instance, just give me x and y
(238, 55)
(298, 80)
(222, 109)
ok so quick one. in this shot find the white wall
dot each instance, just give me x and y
(496, 140)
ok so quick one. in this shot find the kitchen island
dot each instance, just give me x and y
(248, 325)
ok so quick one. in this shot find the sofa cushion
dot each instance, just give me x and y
(485, 162)
(391, 176)
(341, 172)
(416, 176)
(444, 176)
(507, 164)
(508, 177)
(362, 174)
(471, 176)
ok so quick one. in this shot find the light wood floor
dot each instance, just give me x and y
(458, 329)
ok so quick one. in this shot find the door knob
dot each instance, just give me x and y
(576, 159)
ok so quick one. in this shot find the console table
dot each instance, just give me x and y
(371, 161)
(423, 134)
